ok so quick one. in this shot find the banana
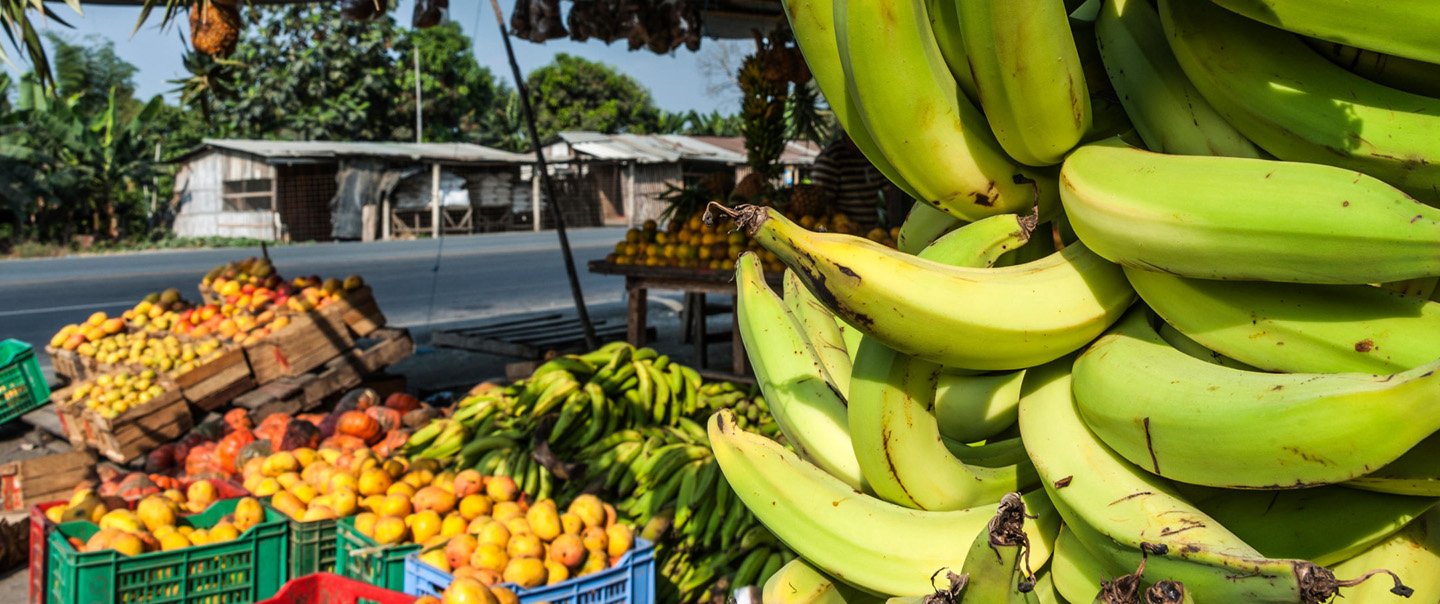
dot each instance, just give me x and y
(944, 16)
(818, 325)
(992, 454)
(813, 24)
(863, 541)
(997, 567)
(1413, 554)
(1417, 472)
(808, 410)
(898, 444)
(799, 583)
(936, 139)
(1408, 28)
(1028, 75)
(982, 243)
(1324, 525)
(970, 408)
(1400, 73)
(1247, 219)
(925, 223)
(1118, 511)
(1167, 592)
(1298, 106)
(1008, 318)
(1168, 112)
(1297, 328)
(1257, 430)
(1184, 344)
(1076, 572)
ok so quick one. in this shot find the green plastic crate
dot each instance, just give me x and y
(249, 568)
(312, 547)
(22, 385)
(360, 557)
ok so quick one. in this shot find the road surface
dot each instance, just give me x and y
(479, 276)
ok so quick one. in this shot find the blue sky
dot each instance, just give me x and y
(676, 81)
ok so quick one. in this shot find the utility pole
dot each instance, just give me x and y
(419, 121)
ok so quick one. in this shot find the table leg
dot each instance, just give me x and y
(635, 319)
(697, 322)
(737, 344)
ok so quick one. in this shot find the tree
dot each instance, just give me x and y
(308, 73)
(572, 93)
(90, 71)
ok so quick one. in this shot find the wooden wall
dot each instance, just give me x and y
(199, 206)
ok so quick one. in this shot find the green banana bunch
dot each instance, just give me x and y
(863, 541)
(1299, 106)
(1168, 112)
(1118, 511)
(1010, 318)
(1077, 573)
(1028, 75)
(944, 16)
(1257, 430)
(1413, 554)
(1407, 28)
(821, 331)
(981, 244)
(937, 140)
(1297, 328)
(447, 443)
(897, 441)
(1247, 219)
(1183, 343)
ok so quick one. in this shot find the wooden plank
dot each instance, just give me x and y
(511, 321)
(139, 430)
(311, 340)
(215, 383)
(514, 326)
(31, 481)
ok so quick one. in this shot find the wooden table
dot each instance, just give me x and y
(640, 279)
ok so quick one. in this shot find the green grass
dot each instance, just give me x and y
(32, 249)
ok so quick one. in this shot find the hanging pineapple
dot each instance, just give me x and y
(214, 27)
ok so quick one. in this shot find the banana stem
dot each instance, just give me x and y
(1124, 589)
(1165, 592)
(1400, 588)
(1007, 529)
(747, 218)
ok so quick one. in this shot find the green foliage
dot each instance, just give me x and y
(576, 94)
(89, 71)
(307, 73)
(698, 124)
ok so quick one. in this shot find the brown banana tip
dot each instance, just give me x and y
(712, 208)
(1400, 589)
(1165, 592)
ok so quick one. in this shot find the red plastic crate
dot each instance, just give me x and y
(327, 588)
(40, 527)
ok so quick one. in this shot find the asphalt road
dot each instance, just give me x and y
(479, 276)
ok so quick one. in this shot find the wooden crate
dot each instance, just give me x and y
(390, 345)
(141, 429)
(68, 364)
(358, 311)
(309, 341)
(212, 385)
(293, 394)
(31, 481)
(72, 418)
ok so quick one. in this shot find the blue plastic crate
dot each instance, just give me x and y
(632, 581)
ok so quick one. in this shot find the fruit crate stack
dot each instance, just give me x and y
(359, 557)
(22, 386)
(631, 580)
(90, 421)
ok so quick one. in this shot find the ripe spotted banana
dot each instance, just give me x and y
(898, 444)
(821, 331)
(1115, 510)
(1237, 218)
(1298, 106)
(866, 542)
(813, 24)
(936, 139)
(1204, 424)
(1408, 28)
(966, 318)
(806, 407)
(1168, 112)
(1028, 75)
(1297, 328)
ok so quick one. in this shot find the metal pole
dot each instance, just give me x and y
(435, 200)
(591, 340)
(535, 200)
(419, 121)
(630, 197)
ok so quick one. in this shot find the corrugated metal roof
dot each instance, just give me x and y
(441, 152)
(665, 148)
